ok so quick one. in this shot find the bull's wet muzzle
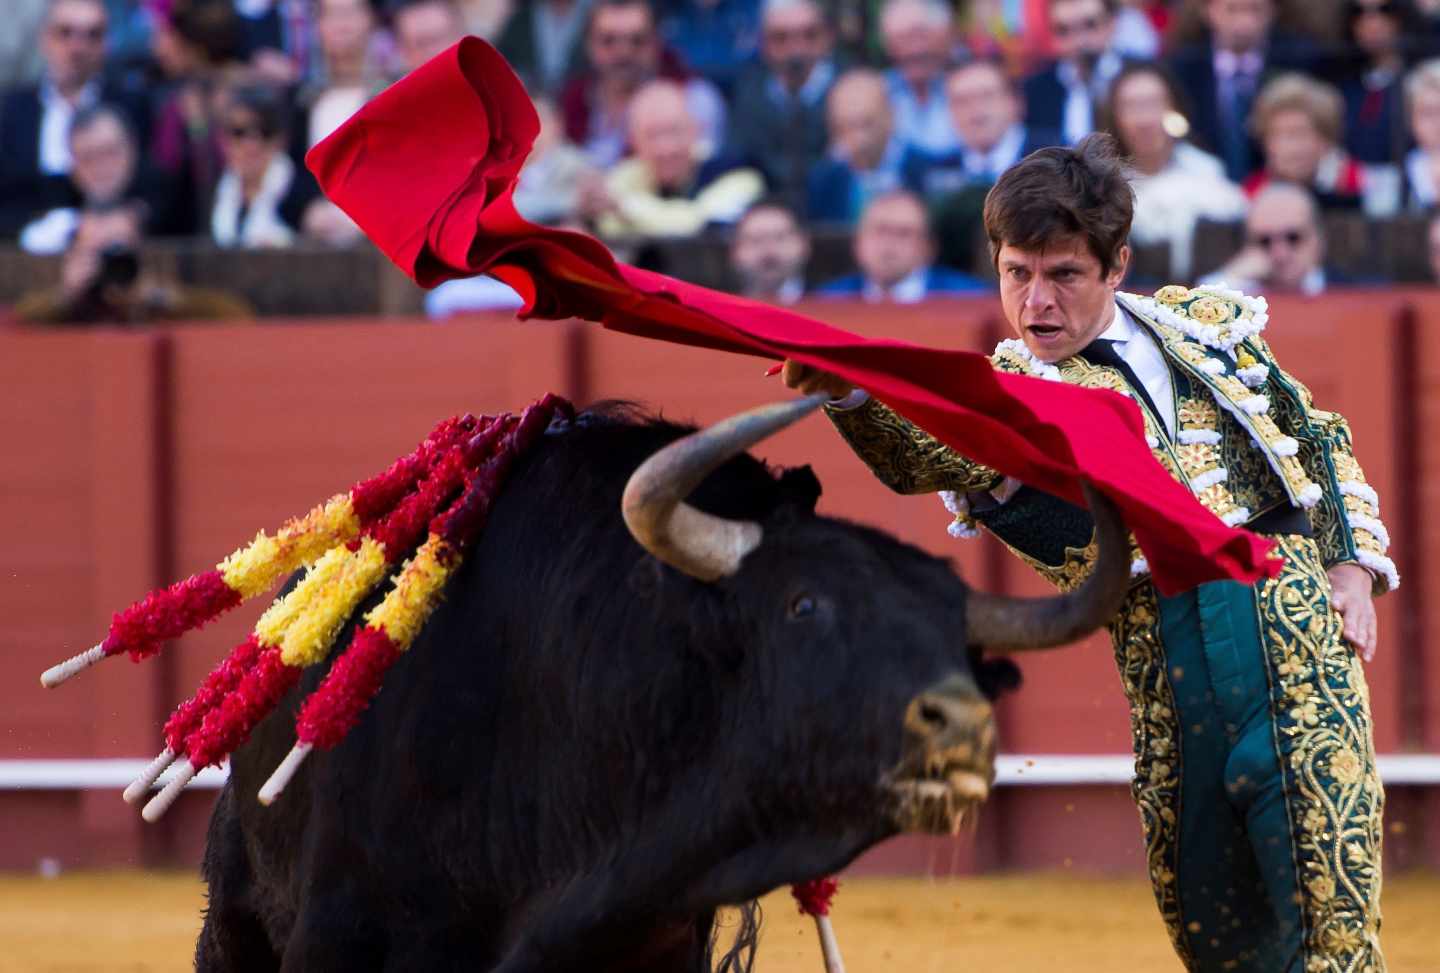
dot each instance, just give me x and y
(947, 765)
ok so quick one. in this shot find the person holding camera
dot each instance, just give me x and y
(102, 280)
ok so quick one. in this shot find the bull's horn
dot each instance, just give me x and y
(702, 545)
(1005, 624)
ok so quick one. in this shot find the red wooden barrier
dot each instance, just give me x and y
(138, 458)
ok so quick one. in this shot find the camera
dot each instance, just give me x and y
(119, 267)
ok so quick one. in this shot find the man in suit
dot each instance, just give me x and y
(895, 251)
(1065, 95)
(672, 186)
(35, 120)
(541, 40)
(987, 114)
(918, 36)
(777, 116)
(1223, 73)
(867, 157)
(1254, 757)
(768, 253)
(624, 50)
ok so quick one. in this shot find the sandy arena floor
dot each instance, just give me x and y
(134, 922)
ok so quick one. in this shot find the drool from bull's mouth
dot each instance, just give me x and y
(944, 801)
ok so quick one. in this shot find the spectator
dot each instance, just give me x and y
(1422, 164)
(541, 40)
(986, 113)
(103, 281)
(105, 171)
(624, 49)
(895, 251)
(919, 40)
(769, 252)
(673, 186)
(866, 157)
(351, 71)
(778, 117)
(35, 120)
(1222, 74)
(424, 28)
(1284, 248)
(1063, 97)
(262, 196)
(548, 190)
(1176, 185)
(1298, 122)
(196, 44)
(713, 37)
(1386, 35)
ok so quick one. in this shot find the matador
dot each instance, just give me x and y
(1255, 772)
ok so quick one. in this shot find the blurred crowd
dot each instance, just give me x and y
(127, 120)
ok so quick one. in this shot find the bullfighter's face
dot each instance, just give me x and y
(1058, 298)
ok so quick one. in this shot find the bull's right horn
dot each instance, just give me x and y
(1006, 624)
(702, 545)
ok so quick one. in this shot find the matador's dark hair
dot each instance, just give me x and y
(1058, 192)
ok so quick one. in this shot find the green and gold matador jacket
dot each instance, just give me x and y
(1256, 451)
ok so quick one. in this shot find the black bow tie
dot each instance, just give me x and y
(1104, 351)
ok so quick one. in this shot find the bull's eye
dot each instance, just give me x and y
(801, 606)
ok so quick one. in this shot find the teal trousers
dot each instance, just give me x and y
(1239, 895)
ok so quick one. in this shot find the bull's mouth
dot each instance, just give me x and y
(946, 796)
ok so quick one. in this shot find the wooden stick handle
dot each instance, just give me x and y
(140, 785)
(184, 773)
(72, 666)
(829, 947)
(284, 772)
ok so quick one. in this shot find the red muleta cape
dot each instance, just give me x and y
(427, 169)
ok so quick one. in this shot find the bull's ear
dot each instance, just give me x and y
(799, 486)
(995, 676)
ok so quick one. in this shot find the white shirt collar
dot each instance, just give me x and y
(1121, 329)
(1107, 65)
(812, 91)
(50, 97)
(790, 291)
(909, 289)
(1313, 283)
(56, 114)
(1002, 156)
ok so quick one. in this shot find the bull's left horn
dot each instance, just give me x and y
(702, 545)
(1007, 624)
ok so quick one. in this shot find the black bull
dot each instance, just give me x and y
(587, 752)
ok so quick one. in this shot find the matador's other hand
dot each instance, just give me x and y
(813, 381)
(1351, 595)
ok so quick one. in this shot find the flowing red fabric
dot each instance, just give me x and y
(427, 169)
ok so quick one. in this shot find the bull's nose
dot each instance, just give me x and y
(952, 716)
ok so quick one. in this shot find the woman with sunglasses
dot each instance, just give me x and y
(262, 195)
